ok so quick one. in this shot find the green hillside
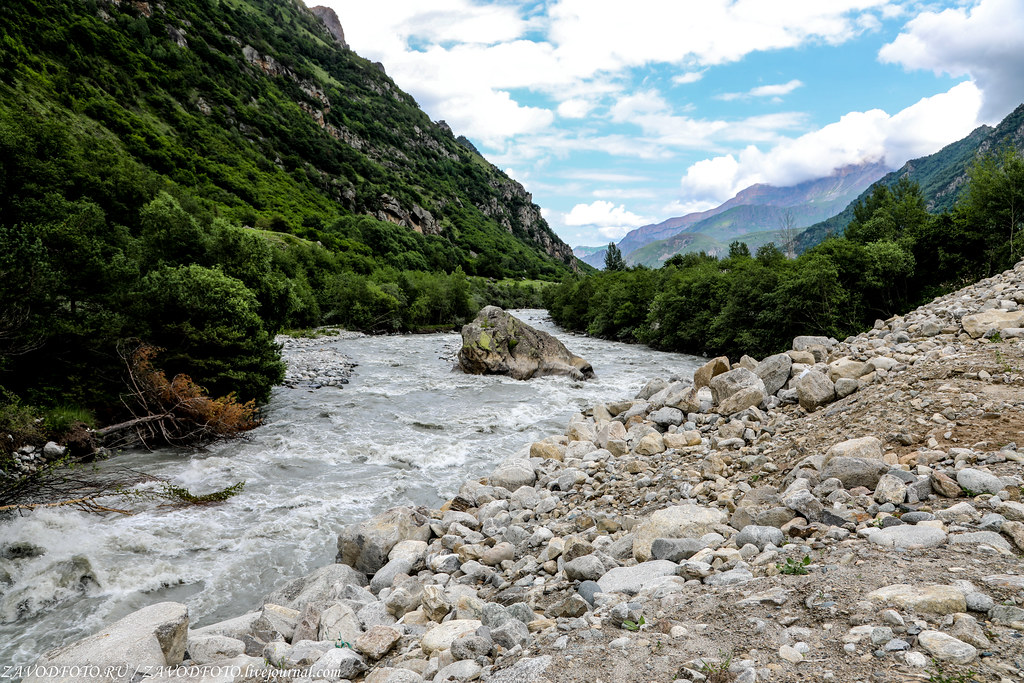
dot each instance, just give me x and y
(941, 176)
(197, 175)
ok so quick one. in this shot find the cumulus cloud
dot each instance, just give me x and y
(688, 77)
(602, 213)
(574, 109)
(983, 42)
(857, 137)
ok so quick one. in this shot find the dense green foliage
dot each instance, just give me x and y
(895, 255)
(200, 175)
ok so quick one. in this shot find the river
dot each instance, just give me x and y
(406, 430)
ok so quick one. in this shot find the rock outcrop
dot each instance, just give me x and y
(331, 23)
(497, 343)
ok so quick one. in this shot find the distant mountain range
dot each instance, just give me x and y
(755, 216)
(942, 176)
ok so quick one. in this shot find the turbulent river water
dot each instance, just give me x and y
(407, 429)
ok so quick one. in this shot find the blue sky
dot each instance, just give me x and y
(616, 115)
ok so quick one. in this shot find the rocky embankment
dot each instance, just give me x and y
(847, 511)
(312, 363)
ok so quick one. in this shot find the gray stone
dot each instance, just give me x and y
(339, 622)
(846, 386)
(154, 636)
(729, 578)
(1005, 615)
(774, 372)
(813, 390)
(366, 545)
(529, 670)
(677, 521)
(729, 383)
(385, 576)
(667, 416)
(512, 474)
(631, 580)
(471, 647)
(890, 489)
(853, 472)
(337, 664)
(865, 447)
(946, 648)
(511, 633)
(979, 481)
(463, 670)
(585, 568)
(760, 536)
(588, 589)
(803, 502)
(981, 537)
(209, 649)
(909, 536)
(498, 343)
(675, 549)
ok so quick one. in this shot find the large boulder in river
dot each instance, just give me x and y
(498, 344)
(153, 637)
(365, 546)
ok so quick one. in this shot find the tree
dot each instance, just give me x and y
(788, 233)
(613, 260)
(995, 203)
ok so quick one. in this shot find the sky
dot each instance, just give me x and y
(617, 115)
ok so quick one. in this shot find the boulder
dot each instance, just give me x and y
(847, 368)
(441, 636)
(631, 580)
(496, 343)
(909, 537)
(714, 367)
(744, 398)
(978, 324)
(979, 481)
(759, 536)
(677, 521)
(813, 390)
(866, 448)
(774, 372)
(853, 472)
(512, 474)
(154, 636)
(933, 599)
(729, 383)
(946, 648)
(805, 342)
(365, 546)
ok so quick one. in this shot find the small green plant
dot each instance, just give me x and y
(343, 643)
(754, 478)
(968, 493)
(718, 672)
(60, 420)
(938, 675)
(1003, 363)
(795, 567)
(634, 625)
(995, 337)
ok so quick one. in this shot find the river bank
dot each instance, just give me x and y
(846, 512)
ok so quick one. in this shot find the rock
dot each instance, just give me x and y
(385, 576)
(631, 580)
(678, 521)
(981, 537)
(814, 390)
(946, 648)
(729, 578)
(440, 637)
(209, 649)
(586, 568)
(676, 549)
(548, 451)
(933, 599)
(741, 400)
(967, 629)
(847, 368)
(1006, 615)
(587, 590)
(961, 513)
(1015, 530)
(464, 670)
(666, 417)
(496, 343)
(729, 383)
(866, 448)
(471, 647)
(890, 489)
(390, 675)
(687, 400)
(909, 537)
(803, 502)
(529, 670)
(790, 654)
(703, 375)
(514, 632)
(339, 622)
(650, 444)
(378, 641)
(979, 481)
(154, 636)
(307, 625)
(760, 536)
(774, 372)
(805, 342)
(944, 486)
(682, 439)
(978, 324)
(512, 474)
(405, 598)
(845, 387)
(337, 664)
(366, 545)
(572, 606)
(854, 472)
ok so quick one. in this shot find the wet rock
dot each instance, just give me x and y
(498, 343)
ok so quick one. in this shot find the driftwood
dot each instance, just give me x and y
(86, 504)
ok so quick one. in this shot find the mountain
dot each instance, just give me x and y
(942, 175)
(757, 209)
(593, 256)
(257, 110)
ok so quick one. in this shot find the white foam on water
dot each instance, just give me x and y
(406, 430)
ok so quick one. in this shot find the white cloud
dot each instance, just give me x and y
(776, 91)
(622, 193)
(615, 232)
(602, 177)
(857, 137)
(604, 214)
(575, 108)
(688, 77)
(985, 42)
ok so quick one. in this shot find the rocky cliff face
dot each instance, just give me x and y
(331, 23)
